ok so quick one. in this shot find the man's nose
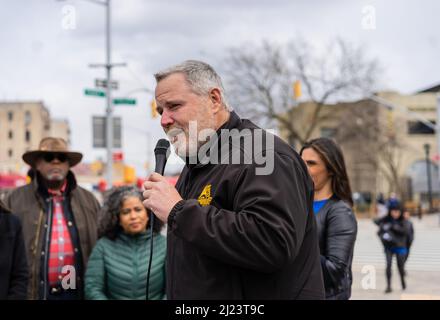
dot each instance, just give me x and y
(166, 120)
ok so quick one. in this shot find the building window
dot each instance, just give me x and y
(328, 133)
(418, 127)
(10, 115)
(28, 136)
(27, 117)
(10, 153)
(10, 135)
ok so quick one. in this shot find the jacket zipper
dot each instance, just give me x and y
(46, 245)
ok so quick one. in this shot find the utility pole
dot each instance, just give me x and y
(109, 109)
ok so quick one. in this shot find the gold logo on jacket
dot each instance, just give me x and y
(205, 197)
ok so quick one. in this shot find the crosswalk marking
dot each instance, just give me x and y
(424, 254)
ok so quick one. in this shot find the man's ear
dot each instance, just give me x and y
(216, 99)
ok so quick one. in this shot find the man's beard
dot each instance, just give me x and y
(187, 141)
(184, 145)
(53, 181)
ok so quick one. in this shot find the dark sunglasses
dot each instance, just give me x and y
(49, 157)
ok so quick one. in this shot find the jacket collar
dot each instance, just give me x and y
(233, 122)
(142, 236)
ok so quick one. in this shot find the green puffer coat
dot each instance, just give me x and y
(118, 269)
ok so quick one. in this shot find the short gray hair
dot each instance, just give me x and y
(200, 76)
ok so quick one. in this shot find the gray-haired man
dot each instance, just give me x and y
(232, 233)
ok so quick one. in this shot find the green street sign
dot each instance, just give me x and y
(124, 101)
(96, 93)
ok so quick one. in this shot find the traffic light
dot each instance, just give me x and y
(297, 89)
(129, 174)
(154, 113)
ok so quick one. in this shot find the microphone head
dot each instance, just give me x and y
(162, 148)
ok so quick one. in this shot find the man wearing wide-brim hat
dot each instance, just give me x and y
(59, 221)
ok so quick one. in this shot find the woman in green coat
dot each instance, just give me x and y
(117, 268)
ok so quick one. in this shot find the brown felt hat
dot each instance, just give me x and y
(52, 145)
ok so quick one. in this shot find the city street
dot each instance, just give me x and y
(105, 105)
(423, 265)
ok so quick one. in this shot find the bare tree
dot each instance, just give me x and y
(260, 78)
(389, 150)
(374, 139)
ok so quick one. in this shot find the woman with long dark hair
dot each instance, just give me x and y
(13, 266)
(394, 234)
(118, 265)
(337, 226)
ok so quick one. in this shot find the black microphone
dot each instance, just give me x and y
(161, 153)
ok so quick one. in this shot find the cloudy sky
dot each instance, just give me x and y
(44, 54)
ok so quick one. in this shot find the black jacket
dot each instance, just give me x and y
(410, 231)
(337, 229)
(396, 230)
(13, 265)
(239, 235)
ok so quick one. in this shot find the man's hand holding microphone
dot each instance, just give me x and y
(160, 196)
